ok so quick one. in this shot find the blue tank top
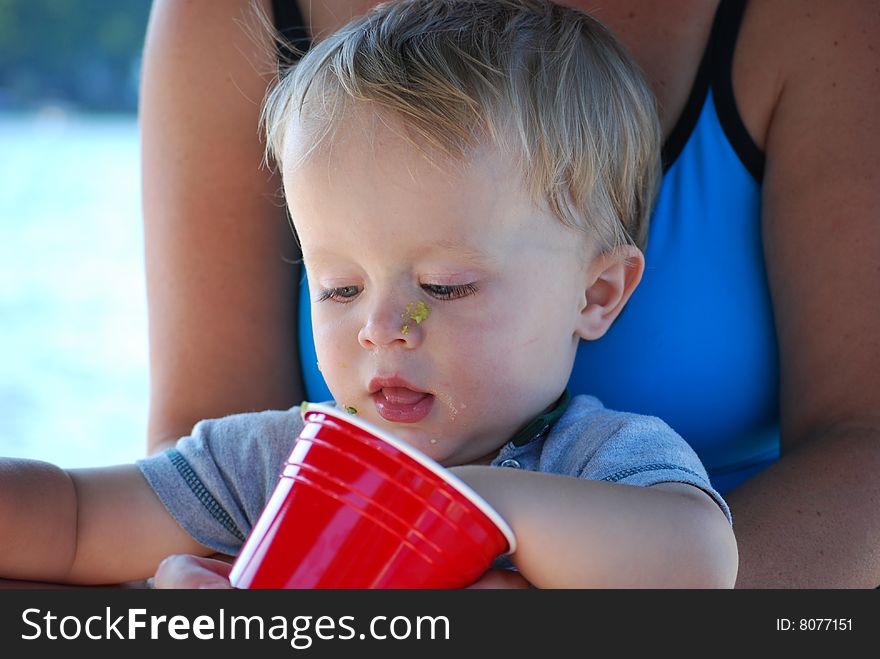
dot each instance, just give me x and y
(696, 345)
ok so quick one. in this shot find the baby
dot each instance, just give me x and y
(470, 183)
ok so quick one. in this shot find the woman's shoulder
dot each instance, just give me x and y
(327, 16)
(780, 44)
(203, 51)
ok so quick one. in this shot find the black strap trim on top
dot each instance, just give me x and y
(290, 24)
(731, 12)
(681, 132)
(542, 424)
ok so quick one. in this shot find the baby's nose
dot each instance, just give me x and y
(391, 324)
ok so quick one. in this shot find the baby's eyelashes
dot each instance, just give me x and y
(449, 291)
(345, 294)
(339, 294)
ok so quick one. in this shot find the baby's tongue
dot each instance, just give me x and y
(402, 395)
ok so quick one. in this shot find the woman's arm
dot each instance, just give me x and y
(813, 519)
(575, 533)
(87, 526)
(221, 295)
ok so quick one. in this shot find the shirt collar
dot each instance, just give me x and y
(541, 425)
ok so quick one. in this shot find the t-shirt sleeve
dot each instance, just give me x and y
(216, 481)
(593, 442)
(654, 454)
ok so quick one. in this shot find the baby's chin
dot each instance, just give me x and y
(441, 447)
(423, 439)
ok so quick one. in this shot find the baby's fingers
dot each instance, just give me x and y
(185, 571)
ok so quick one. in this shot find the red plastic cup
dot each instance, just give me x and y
(355, 507)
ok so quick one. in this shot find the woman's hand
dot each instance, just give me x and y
(187, 571)
(498, 578)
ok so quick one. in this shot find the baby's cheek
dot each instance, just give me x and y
(336, 348)
(515, 361)
(482, 352)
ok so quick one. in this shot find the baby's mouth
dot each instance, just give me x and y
(402, 404)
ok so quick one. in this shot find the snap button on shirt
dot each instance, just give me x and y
(513, 464)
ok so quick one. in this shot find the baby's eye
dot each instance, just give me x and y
(449, 292)
(342, 294)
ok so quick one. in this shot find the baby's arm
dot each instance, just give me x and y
(577, 533)
(100, 525)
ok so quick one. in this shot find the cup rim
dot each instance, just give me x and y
(435, 467)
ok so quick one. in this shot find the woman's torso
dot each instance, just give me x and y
(696, 345)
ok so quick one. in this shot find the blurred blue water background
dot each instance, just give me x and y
(73, 328)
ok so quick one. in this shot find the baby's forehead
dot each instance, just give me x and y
(368, 133)
(364, 172)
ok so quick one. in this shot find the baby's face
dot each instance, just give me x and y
(444, 303)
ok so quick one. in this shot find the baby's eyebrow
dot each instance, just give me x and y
(460, 250)
(445, 247)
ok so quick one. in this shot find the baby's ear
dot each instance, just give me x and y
(611, 279)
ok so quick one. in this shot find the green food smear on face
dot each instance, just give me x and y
(417, 311)
(350, 409)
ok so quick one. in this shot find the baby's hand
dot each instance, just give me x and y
(185, 571)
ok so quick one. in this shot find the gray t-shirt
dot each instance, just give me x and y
(216, 481)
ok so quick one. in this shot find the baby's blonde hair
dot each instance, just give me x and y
(547, 83)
